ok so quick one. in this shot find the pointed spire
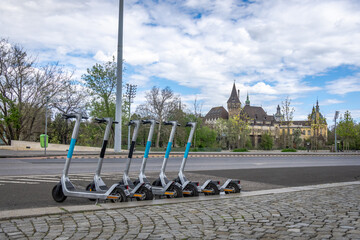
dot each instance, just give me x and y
(247, 102)
(234, 98)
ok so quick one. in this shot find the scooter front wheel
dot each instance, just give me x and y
(91, 187)
(147, 194)
(177, 191)
(214, 189)
(119, 192)
(191, 188)
(234, 187)
(57, 193)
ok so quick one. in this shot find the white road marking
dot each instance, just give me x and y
(10, 181)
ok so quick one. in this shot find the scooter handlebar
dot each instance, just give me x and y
(67, 116)
(148, 121)
(100, 120)
(189, 124)
(103, 120)
(170, 123)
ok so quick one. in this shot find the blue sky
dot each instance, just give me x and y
(306, 50)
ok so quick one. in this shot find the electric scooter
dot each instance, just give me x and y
(210, 187)
(163, 181)
(65, 187)
(98, 185)
(140, 191)
(171, 189)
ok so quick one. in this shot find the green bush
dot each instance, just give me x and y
(266, 142)
(240, 150)
(288, 150)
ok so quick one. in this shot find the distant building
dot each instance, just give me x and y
(260, 122)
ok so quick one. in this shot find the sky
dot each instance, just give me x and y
(307, 50)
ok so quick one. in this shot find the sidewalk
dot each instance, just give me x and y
(319, 211)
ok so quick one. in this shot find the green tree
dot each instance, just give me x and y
(346, 131)
(296, 136)
(101, 82)
(266, 141)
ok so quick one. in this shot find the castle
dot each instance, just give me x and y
(315, 127)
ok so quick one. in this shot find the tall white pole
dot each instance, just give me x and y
(117, 145)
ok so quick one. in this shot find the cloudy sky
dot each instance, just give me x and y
(304, 49)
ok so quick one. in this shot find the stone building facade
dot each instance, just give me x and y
(260, 122)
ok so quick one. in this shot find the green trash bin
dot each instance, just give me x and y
(42, 140)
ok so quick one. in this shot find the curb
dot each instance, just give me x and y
(37, 212)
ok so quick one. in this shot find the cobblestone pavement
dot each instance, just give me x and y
(328, 213)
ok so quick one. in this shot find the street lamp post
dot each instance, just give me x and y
(117, 140)
(130, 94)
(336, 116)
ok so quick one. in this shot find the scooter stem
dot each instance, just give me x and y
(148, 145)
(168, 148)
(133, 142)
(105, 142)
(188, 145)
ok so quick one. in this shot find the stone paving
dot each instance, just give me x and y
(327, 213)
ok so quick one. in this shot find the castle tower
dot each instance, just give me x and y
(278, 116)
(234, 104)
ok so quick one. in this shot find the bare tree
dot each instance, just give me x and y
(288, 113)
(159, 104)
(24, 88)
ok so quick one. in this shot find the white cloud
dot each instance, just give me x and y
(267, 46)
(331, 102)
(344, 85)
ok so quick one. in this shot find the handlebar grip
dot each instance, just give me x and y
(85, 118)
(131, 123)
(115, 122)
(167, 123)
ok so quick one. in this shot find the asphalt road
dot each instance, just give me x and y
(27, 183)
(33, 166)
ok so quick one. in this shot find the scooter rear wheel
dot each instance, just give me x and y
(234, 187)
(119, 192)
(57, 193)
(212, 186)
(193, 189)
(147, 192)
(177, 191)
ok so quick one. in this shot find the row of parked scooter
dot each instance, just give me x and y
(141, 188)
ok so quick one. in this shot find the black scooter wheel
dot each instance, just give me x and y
(91, 188)
(177, 191)
(57, 193)
(191, 188)
(119, 192)
(212, 186)
(235, 188)
(145, 191)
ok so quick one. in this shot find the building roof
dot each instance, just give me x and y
(234, 98)
(217, 112)
(257, 113)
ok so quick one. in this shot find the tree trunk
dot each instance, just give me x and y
(158, 135)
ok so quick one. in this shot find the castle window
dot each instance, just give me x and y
(309, 133)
